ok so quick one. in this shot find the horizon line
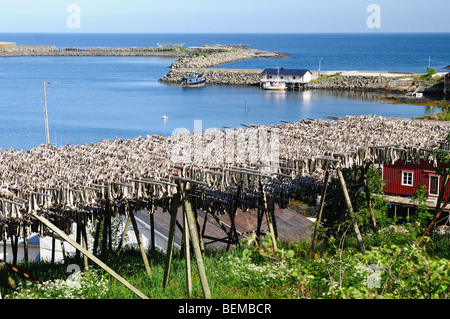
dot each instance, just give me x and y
(354, 32)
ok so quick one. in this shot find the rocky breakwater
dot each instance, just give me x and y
(216, 76)
(377, 83)
(202, 62)
(48, 50)
(208, 59)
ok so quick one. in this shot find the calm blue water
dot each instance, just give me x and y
(107, 97)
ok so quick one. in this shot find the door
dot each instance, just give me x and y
(434, 185)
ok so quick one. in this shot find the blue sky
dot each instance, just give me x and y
(202, 16)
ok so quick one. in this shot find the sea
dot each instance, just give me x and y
(96, 98)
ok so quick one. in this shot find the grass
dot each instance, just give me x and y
(326, 77)
(236, 275)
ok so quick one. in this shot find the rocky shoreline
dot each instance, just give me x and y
(377, 84)
(30, 50)
(339, 83)
(203, 63)
(206, 59)
(215, 76)
(202, 60)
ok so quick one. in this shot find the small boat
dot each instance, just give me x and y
(274, 85)
(194, 80)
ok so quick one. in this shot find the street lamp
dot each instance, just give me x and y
(46, 116)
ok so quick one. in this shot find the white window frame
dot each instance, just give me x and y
(403, 178)
(438, 185)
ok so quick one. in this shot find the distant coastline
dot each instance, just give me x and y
(374, 81)
(11, 49)
(203, 58)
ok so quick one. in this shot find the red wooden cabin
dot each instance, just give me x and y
(403, 179)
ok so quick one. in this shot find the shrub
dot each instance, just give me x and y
(79, 285)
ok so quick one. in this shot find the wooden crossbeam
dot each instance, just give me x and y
(77, 246)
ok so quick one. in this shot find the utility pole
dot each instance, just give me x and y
(46, 115)
(320, 62)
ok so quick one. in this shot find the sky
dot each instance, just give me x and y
(224, 16)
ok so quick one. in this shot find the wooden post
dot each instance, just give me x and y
(138, 237)
(170, 239)
(368, 196)
(4, 275)
(14, 243)
(259, 219)
(78, 239)
(96, 237)
(268, 217)
(195, 241)
(53, 250)
(200, 236)
(63, 250)
(125, 229)
(435, 219)
(88, 254)
(4, 249)
(232, 229)
(152, 229)
(106, 226)
(444, 183)
(46, 117)
(204, 223)
(85, 258)
(319, 215)
(187, 254)
(25, 248)
(271, 206)
(351, 212)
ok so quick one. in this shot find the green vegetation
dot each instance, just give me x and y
(396, 263)
(427, 76)
(432, 105)
(443, 115)
(326, 77)
(338, 270)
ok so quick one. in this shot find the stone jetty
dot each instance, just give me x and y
(49, 50)
(203, 61)
(216, 76)
(371, 81)
(392, 84)
(210, 59)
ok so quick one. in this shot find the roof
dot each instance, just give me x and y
(283, 71)
(291, 225)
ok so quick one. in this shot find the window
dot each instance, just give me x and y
(434, 185)
(407, 178)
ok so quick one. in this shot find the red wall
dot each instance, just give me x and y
(392, 174)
